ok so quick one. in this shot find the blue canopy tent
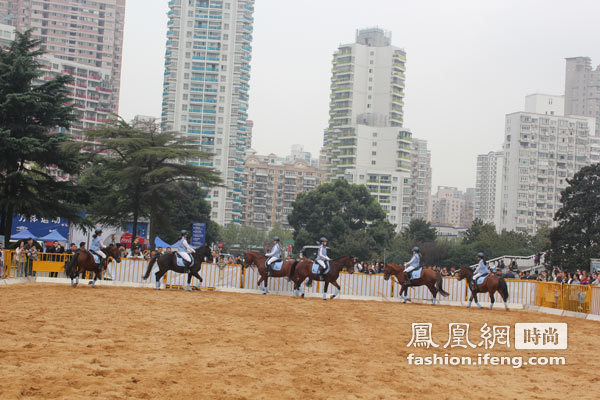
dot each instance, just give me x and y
(53, 236)
(158, 242)
(24, 234)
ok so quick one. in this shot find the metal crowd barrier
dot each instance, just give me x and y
(579, 298)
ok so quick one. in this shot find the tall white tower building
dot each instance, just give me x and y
(365, 142)
(205, 94)
(541, 152)
(488, 187)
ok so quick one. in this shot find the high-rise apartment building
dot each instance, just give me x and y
(272, 186)
(541, 152)
(83, 32)
(582, 89)
(448, 207)
(365, 142)
(488, 187)
(205, 93)
(420, 179)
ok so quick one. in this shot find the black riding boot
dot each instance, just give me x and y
(473, 287)
(407, 279)
(322, 273)
(269, 270)
(186, 267)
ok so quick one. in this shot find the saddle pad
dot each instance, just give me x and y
(416, 274)
(481, 279)
(315, 268)
(96, 258)
(277, 266)
(180, 261)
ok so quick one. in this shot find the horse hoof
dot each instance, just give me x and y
(264, 292)
(332, 297)
(302, 295)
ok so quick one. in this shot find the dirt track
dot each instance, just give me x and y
(58, 342)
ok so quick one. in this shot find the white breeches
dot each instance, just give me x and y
(272, 260)
(322, 263)
(477, 275)
(410, 269)
(185, 256)
(99, 253)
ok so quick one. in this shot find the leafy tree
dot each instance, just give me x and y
(419, 231)
(141, 177)
(286, 235)
(477, 229)
(346, 214)
(187, 207)
(244, 236)
(31, 115)
(576, 239)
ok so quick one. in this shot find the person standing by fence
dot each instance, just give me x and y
(21, 260)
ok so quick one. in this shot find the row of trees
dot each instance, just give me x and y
(143, 176)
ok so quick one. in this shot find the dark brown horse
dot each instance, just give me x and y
(168, 261)
(303, 270)
(491, 284)
(83, 261)
(257, 259)
(430, 278)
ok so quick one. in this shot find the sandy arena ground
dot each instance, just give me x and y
(115, 343)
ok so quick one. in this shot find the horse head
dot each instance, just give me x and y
(113, 251)
(391, 269)
(347, 262)
(250, 259)
(204, 254)
(464, 273)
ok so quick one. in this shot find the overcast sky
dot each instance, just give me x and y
(469, 62)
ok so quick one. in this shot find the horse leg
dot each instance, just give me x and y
(266, 290)
(492, 300)
(471, 299)
(261, 279)
(189, 280)
(476, 300)
(433, 291)
(159, 274)
(337, 290)
(197, 275)
(325, 290)
(403, 292)
(95, 278)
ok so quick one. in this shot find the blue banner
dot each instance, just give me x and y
(39, 226)
(198, 234)
(142, 229)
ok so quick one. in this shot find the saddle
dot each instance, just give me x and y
(316, 268)
(180, 262)
(415, 273)
(276, 265)
(482, 278)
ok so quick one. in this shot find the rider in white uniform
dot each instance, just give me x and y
(184, 250)
(322, 258)
(96, 247)
(411, 265)
(482, 269)
(273, 255)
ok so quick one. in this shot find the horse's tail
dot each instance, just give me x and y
(503, 288)
(292, 270)
(439, 284)
(69, 265)
(150, 265)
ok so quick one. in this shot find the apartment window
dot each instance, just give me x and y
(374, 134)
(370, 87)
(370, 70)
(373, 153)
(371, 62)
(373, 162)
(374, 144)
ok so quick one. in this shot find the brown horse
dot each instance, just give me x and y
(259, 260)
(430, 278)
(83, 261)
(303, 269)
(491, 284)
(168, 261)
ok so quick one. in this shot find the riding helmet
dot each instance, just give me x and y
(97, 231)
(276, 239)
(323, 239)
(480, 254)
(183, 232)
(416, 249)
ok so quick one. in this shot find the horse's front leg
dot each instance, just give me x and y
(403, 292)
(189, 281)
(337, 289)
(325, 290)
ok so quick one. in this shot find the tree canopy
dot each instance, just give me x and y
(34, 115)
(142, 175)
(346, 214)
(576, 239)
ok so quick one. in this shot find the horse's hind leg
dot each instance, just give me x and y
(197, 276)
(96, 274)
(492, 300)
(433, 291)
